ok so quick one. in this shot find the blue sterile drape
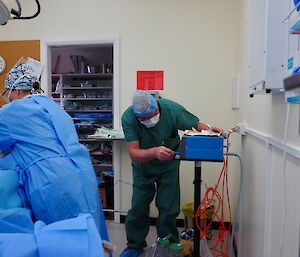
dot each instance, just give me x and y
(57, 180)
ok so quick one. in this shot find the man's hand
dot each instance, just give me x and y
(163, 153)
(201, 126)
(145, 155)
(216, 129)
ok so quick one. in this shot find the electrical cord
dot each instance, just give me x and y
(15, 12)
(30, 17)
(206, 205)
(206, 202)
(169, 201)
(132, 184)
(200, 211)
(155, 245)
(166, 213)
(238, 201)
(283, 221)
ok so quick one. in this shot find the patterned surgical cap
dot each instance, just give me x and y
(21, 76)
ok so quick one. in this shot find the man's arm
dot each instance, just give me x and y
(144, 155)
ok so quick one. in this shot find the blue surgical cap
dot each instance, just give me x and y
(21, 76)
(143, 103)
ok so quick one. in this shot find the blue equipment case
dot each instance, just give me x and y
(200, 148)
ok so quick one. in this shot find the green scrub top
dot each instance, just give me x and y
(173, 116)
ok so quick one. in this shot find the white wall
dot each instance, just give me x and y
(193, 41)
(266, 114)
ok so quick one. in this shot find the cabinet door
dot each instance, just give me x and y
(268, 45)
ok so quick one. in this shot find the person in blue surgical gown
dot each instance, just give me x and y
(57, 179)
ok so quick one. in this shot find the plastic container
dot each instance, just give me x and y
(176, 250)
(187, 246)
(188, 211)
(163, 248)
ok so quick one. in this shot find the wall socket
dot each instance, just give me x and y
(240, 128)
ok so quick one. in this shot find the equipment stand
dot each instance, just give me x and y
(197, 201)
(197, 149)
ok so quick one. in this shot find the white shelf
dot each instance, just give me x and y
(88, 99)
(88, 111)
(90, 75)
(86, 88)
(100, 153)
(103, 165)
(94, 140)
(92, 118)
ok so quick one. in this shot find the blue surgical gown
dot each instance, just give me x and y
(55, 170)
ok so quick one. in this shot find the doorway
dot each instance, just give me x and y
(83, 77)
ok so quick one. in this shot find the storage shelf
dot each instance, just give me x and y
(99, 153)
(85, 88)
(103, 165)
(111, 139)
(94, 140)
(88, 111)
(88, 99)
(80, 74)
(91, 118)
(87, 129)
(88, 94)
(89, 75)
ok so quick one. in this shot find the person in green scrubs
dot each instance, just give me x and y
(151, 133)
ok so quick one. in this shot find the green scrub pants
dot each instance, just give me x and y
(137, 221)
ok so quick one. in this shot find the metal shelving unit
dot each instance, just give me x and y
(92, 118)
(86, 88)
(86, 98)
(87, 110)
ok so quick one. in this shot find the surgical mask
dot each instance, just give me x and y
(150, 123)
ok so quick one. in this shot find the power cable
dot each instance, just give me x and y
(238, 201)
(30, 17)
(283, 221)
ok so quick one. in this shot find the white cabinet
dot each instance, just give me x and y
(268, 46)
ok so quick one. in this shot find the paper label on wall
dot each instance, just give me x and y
(150, 80)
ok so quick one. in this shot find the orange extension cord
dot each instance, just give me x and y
(205, 205)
